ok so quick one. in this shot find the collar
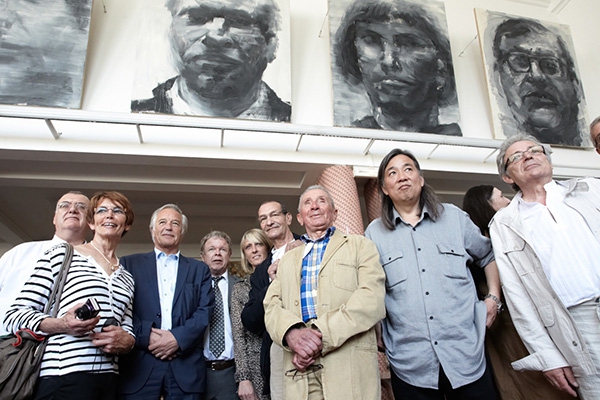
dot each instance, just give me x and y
(398, 219)
(160, 254)
(328, 234)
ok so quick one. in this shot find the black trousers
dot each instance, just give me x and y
(481, 389)
(77, 386)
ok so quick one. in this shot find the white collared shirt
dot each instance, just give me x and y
(564, 244)
(228, 353)
(166, 273)
(16, 266)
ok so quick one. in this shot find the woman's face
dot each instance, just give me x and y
(255, 253)
(109, 219)
(498, 201)
(399, 64)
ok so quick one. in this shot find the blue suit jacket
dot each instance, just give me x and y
(193, 304)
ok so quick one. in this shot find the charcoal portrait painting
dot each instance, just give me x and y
(216, 58)
(42, 51)
(532, 79)
(392, 66)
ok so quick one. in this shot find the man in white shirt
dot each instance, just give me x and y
(215, 249)
(546, 243)
(17, 264)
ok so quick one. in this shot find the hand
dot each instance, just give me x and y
(113, 340)
(272, 270)
(305, 342)
(563, 379)
(492, 311)
(293, 245)
(246, 391)
(163, 344)
(302, 363)
(69, 323)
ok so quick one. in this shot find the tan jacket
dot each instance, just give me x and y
(544, 324)
(350, 301)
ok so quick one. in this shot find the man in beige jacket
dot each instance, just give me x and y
(323, 307)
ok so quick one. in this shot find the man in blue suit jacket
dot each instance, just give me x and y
(171, 310)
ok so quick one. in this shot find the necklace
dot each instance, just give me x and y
(113, 268)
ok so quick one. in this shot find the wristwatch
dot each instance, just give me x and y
(499, 304)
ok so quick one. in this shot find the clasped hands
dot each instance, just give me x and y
(163, 344)
(306, 344)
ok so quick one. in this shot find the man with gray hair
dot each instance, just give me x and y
(595, 133)
(171, 310)
(546, 243)
(323, 306)
(221, 49)
(17, 264)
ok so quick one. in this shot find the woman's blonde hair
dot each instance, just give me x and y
(252, 236)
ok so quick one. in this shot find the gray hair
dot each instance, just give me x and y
(218, 235)
(314, 187)
(519, 137)
(184, 220)
(594, 122)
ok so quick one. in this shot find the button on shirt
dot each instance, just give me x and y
(433, 314)
(166, 272)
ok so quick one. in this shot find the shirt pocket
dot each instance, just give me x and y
(345, 276)
(452, 256)
(395, 272)
(514, 250)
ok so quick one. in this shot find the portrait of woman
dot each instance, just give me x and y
(392, 67)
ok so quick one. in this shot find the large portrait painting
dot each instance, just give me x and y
(216, 58)
(533, 79)
(42, 51)
(392, 66)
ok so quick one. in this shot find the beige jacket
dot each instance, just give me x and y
(350, 301)
(544, 324)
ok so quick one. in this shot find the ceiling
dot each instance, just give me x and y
(218, 171)
(218, 177)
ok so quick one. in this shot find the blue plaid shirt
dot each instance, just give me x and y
(311, 264)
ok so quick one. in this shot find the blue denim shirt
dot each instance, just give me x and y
(433, 314)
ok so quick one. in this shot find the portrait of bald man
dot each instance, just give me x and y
(218, 53)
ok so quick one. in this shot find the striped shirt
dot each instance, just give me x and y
(311, 264)
(65, 353)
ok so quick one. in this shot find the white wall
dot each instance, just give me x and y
(111, 57)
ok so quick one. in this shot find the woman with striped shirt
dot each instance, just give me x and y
(80, 360)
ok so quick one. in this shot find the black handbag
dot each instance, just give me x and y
(21, 354)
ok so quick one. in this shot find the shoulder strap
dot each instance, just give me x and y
(59, 283)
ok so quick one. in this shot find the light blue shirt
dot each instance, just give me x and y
(166, 272)
(433, 315)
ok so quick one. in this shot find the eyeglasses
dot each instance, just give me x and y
(214, 250)
(104, 210)
(66, 205)
(521, 62)
(518, 156)
(274, 214)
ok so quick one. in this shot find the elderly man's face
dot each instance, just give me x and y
(531, 167)
(315, 212)
(536, 82)
(398, 64)
(220, 47)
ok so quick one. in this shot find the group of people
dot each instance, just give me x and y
(305, 315)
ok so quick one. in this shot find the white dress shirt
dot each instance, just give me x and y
(166, 273)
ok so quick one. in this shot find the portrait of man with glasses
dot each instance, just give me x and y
(533, 79)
